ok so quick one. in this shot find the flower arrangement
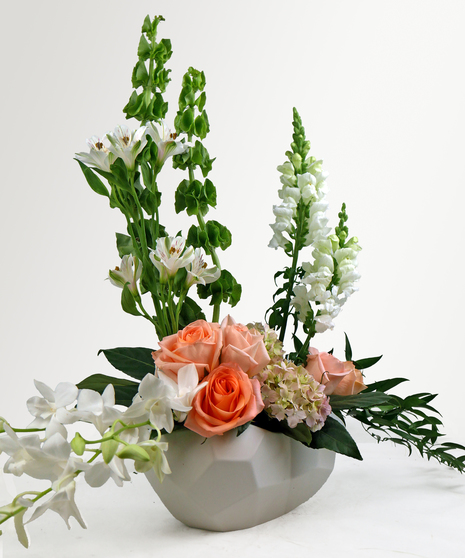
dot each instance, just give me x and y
(209, 377)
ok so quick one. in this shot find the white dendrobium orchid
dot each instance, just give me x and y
(98, 409)
(50, 410)
(127, 144)
(153, 403)
(19, 450)
(98, 472)
(184, 390)
(198, 272)
(129, 271)
(171, 255)
(17, 504)
(166, 142)
(157, 459)
(99, 155)
(62, 502)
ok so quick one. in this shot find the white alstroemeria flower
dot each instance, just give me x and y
(62, 502)
(153, 403)
(166, 142)
(99, 156)
(171, 255)
(158, 462)
(127, 144)
(98, 409)
(183, 390)
(199, 273)
(50, 410)
(129, 271)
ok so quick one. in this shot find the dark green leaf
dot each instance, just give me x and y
(124, 244)
(334, 436)
(136, 362)
(243, 428)
(384, 385)
(93, 180)
(365, 363)
(128, 303)
(359, 401)
(348, 348)
(125, 390)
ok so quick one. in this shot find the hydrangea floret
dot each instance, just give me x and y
(291, 394)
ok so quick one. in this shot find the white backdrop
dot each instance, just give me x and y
(380, 89)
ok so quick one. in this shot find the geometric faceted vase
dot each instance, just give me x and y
(230, 482)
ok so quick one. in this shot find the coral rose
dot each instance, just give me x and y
(199, 343)
(229, 399)
(331, 372)
(244, 346)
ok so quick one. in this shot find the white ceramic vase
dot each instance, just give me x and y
(234, 482)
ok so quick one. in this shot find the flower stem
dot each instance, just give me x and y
(295, 257)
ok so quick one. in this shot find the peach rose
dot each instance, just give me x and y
(244, 346)
(199, 343)
(326, 369)
(351, 383)
(229, 399)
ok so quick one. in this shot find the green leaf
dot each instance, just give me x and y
(301, 433)
(128, 303)
(243, 428)
(93, 180)
(384, 385)
(190, 311)
(136, 362)
(150, 201)
(334, 436)
(360, 401)
(124, 244)
(348, 348)
(365, 363)
(125, 390)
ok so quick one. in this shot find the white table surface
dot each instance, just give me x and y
(389, 505)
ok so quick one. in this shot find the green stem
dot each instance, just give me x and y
(295, 257)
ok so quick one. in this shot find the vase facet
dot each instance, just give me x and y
(234, 482)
